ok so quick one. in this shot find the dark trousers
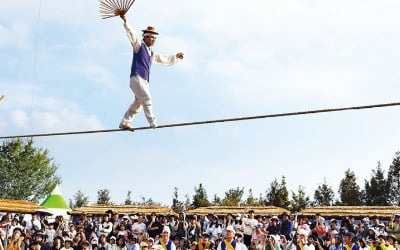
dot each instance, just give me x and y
(247, 240)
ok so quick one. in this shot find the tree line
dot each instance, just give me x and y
(20, 161)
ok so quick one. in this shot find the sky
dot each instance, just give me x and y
(63, 68)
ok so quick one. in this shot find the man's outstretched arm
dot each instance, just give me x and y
(131, 34)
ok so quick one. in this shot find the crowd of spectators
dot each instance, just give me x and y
(244, 231)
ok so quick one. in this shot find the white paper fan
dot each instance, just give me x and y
(111, 8)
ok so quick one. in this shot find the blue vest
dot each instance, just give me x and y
(223, 245)
(141, 63)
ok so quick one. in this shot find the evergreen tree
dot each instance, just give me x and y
(277, 194)
(103, 197)
(148, 202)
(349, 190)
(216, 200)
(79, 200)
(26, 172)
(200, 197)
(187, 204)
(176, 204)
(128, 199)
(300, 200)
(377, 189)
(233, 197)
(394, 180)
(323, 195)
(250, 200)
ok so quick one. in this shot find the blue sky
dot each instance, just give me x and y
(242, 58)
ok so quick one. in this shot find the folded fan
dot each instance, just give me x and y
(111, 8)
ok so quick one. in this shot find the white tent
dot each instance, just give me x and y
(55, 203)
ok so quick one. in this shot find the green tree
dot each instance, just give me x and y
(128, 199)
(216, 201)
(277, 194)
(79, 200)
(393, 179)
(26, 172)
(148, 202)
(376, 192)
(250, 200)
(103, 197)
(300, 200)
(349, 191)
(200, 197)
(176, 204)
(323, 195)
(233, 197)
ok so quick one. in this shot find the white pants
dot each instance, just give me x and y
(140, 88)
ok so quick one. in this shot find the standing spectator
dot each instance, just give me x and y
(286, 225)
(181, 226)
(274, 226)
(249, 224)
(193, 230)
(320, 228)
(394, 226)
(333, 229)
(138, 227)
(154, 227)
(89, 226)
(214, 229)
(107, 225)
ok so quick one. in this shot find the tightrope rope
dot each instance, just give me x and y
(212, 121)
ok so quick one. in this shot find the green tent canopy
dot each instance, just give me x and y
(55, 200)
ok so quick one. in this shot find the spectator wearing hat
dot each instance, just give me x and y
(333, 228)
(150, 242)
(144, 245)
(143, 56)
(90, 226)
(249, 224)
(35, 246)
(229, 242)
(204, 242)
(214, 229)
(349, 241)
(193, 245)
(68, 245)
(274, 226)
(165, 240)
(132, 243)
(239, 241)
(40, 237)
